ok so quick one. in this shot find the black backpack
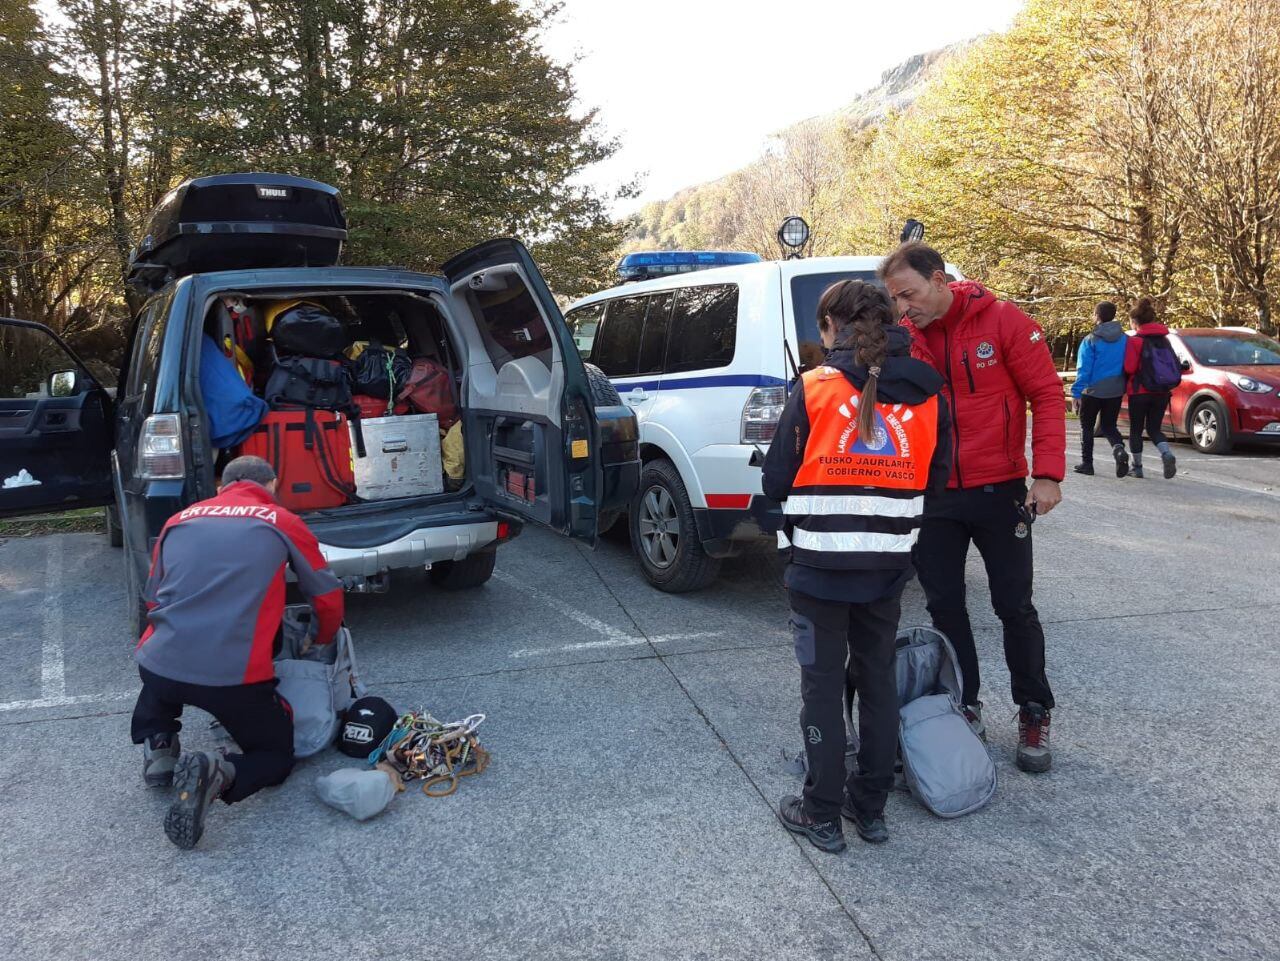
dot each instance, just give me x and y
(317, 384)
(308, 382)
(380, 372)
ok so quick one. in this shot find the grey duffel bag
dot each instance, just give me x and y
(318, 681)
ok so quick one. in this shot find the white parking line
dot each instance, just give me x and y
(613, 637)
(66, 701)
(53, 679)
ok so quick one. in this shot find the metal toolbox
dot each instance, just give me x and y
(402, 457)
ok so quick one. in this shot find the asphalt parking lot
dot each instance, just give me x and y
(638, 743)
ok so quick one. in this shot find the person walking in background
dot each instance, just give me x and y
(1099, 387)
(1153, 371)
(861, 438)
(994, 362)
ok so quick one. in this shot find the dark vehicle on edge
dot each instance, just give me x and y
(526, 400)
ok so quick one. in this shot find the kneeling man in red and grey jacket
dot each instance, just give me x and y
(215, 601)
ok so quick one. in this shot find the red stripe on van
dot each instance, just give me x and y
(729, 501)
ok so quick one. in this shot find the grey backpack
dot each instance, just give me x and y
(945, 764)
(319, 684)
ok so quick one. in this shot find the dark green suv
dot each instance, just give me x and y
(525, 398)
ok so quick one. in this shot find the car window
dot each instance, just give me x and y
(29, 359)
(617, 347)
(583, 324)
(704, 328)
(512, 327)
(806, 291)
(1224, 350)
(653, 342)
(146, 350)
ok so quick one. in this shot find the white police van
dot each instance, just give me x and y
(703, 354)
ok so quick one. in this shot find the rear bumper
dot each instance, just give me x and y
(425, 545)
(723, 531)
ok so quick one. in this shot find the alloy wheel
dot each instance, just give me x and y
(659, 527)
(1204, 427)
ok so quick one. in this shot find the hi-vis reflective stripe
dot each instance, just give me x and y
(852, 542)
(861, 505)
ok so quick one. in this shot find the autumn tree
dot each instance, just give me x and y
(1227, 150)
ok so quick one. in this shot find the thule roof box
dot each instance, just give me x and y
(238, 221)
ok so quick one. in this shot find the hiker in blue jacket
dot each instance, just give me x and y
(1099, 387)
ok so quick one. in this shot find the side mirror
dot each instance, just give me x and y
(62, 383)
(1186, 365)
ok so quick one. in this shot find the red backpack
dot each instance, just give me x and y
(430, 392)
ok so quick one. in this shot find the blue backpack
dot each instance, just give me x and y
(1158, 368)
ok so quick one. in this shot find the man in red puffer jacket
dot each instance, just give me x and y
(994, 362)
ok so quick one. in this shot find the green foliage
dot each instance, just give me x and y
(442, 122)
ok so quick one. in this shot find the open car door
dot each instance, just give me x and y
(532, 437)
(55, 425)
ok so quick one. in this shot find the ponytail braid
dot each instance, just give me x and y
(861, 311)
(871, 348)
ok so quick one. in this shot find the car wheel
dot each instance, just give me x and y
(664, 534)
(465, 574)
(603, 393)
(1210, 432)
(115, 536)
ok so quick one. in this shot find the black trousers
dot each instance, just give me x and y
(1102, 413)
(842, 646)
(1146, 412)
(988, 517)
(253, 714)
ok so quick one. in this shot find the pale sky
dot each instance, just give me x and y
(693, 88)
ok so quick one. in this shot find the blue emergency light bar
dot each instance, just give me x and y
(663, 263)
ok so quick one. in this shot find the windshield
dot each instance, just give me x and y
(806, 291)
(1225, 350)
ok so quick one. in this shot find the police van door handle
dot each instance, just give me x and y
(637, 395)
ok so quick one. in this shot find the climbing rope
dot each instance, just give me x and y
(437, 753)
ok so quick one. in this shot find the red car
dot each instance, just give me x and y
(1230, 388)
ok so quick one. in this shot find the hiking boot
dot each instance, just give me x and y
(869, 827)
(1122, 460)
(824, 835)
(1137, 471)
(973, 714)
(1033, 739)
(1084, 469)
(1170, 465)
(159, 758)
(199, 778)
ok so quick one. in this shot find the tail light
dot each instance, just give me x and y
(160, 448)
(761, 414)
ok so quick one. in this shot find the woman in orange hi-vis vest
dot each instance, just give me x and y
(861, 439)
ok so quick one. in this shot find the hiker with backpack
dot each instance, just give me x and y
(860, 440)
(1154, 371)
(1099, 387)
